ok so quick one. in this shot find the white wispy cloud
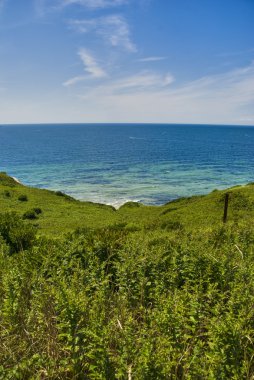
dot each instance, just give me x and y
(226, 98)
(42, 7)
(132, 83)
(95, 4)
(91, 67)
(151, 59)
(74, 80)
(139, 82)
(114, 29)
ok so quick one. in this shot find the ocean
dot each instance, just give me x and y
(113, 164)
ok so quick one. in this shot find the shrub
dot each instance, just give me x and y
(18, 235)
(130, 205)
(30, 214)
(65, 196)
(37, 210)
(59, 193)
(23, 198)
(7, 193)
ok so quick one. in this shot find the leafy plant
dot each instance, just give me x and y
(30, 214)
(7, 194)
(142, 292)
(23, 198)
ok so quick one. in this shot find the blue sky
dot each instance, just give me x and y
(168, 61)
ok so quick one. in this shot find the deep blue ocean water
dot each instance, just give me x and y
(116, 163)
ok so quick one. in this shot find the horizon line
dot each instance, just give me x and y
(124, 123)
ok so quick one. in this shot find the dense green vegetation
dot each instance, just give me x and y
(90, 292)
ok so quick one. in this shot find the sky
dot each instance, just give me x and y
(105, 61)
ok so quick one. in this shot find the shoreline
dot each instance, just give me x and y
(117, 204)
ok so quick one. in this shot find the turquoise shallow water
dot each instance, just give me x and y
(116, 163)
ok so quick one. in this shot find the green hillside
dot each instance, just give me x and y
(61, 213)
(143, 293)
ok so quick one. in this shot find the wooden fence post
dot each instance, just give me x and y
(226, 208)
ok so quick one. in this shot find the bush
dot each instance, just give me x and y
(30, 214)
(65, 196)
(23, 198)
(60, 193)
(131, 205)
(18, 235)
(33, 213)
(7, 193)
(37, 210)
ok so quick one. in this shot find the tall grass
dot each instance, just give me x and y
(127, 303)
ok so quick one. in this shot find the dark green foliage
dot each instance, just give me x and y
(67, 197)
(30, 214)
(23, 198)
(7, 194)
(18, 235)
(111, 303)
(37, 210)
(154, 293)
(60, 193)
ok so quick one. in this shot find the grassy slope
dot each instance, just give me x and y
(171, 301)
(62, 213)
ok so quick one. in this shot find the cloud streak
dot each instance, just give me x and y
(44, 6)
(95, 4)
(74, 80)
(151, 59)
(140, 82)
(91, 67)
(226, 98)
(113, 29)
